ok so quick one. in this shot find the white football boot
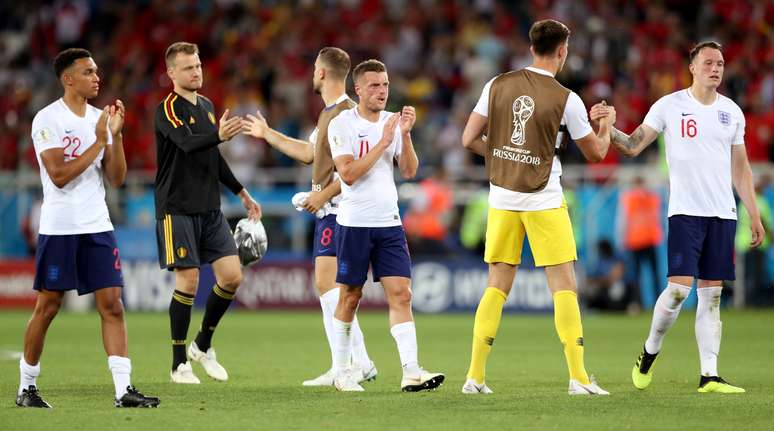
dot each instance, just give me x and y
(578, 388)
(184, 374)
(208, 361)
(369, 373)
(347, 380)
(471, 387)
(421, 382)
(325, 379)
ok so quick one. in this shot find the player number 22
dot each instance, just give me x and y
(75, 143)
(688, 127)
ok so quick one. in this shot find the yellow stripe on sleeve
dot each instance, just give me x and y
(172, 108)
(170, 112)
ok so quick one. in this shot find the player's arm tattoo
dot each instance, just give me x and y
(628, 145)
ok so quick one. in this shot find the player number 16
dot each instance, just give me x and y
(688, 128)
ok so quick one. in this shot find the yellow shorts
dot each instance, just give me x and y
(549, 233)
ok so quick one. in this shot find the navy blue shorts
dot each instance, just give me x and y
(325, 236)
(701, 247)
(384, 248)
(86, 262)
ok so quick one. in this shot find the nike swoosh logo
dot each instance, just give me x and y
(361, 136)
(69, 131)
(324, 250)
(684, 114)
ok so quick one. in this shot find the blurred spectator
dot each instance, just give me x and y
(604, 288)
(473, 224)
(243, 153)
(757, 285)
(455, 159)
(429, 215)
(639, 219)
(759, 136)
(70, 21)
(440, 55)
(30, 226)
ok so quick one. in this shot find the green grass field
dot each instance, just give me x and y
(268, 354)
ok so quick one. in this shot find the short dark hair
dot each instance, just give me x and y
(545, 36)
(336, 61)
(368, 66)
(66, 58)
(699, 46)
(179, 47)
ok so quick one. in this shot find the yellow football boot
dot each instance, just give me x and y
(715, 384)
(642, 373)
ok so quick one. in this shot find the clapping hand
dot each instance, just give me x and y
(101, 129)
(388, 133)
(116, 121)
(408, 117)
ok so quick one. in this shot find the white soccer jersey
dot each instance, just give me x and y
(372, 201)
(698, 142)
(577, 122)
(78, 207)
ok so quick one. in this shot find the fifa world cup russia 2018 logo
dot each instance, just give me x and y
(523, 107)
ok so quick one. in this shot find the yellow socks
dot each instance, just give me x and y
(488, 314)
(568, 325)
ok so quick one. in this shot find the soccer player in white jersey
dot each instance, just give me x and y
(329, 81)
(365, 141)
(704, 135)
(76, 145)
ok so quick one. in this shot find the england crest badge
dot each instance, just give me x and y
(724, 118)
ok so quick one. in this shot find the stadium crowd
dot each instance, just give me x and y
(439, 54)
(258, 55)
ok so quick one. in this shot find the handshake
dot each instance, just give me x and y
(252, 125)
(602, 112)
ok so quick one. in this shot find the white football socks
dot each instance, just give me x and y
(665, 314)
(405, 335)
(121, 368)
(342, 344)
(28, 374)
(708, 329)
(359, 352)
(328, 301)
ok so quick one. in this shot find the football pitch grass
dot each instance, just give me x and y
(269, 354)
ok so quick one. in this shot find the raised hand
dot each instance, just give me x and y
(255, 125)
(101, 129)
(117, 113)
(388, 133)
(408, 117)
(598, 111)
(229, 126)
(611, 114)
